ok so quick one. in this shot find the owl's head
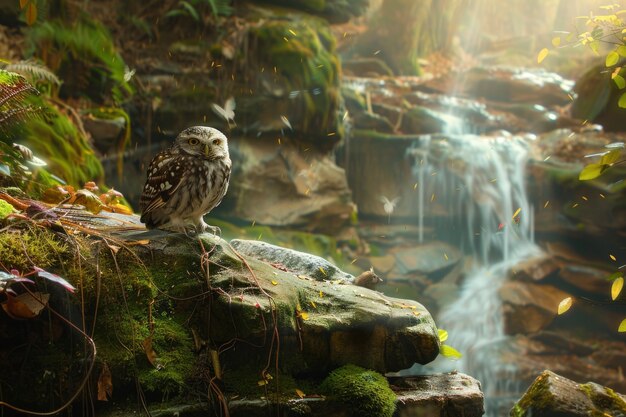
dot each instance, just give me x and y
(203, 141)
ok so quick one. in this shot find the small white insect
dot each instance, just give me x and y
(389, 206)
(228, 111)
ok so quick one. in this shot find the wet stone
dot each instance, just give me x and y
(451, 395)
(427, 259)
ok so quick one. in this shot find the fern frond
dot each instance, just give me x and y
(34, 71)
(16, 92)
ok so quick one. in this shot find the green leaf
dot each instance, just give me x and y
(615, 275)
(621, 50)
(542, 55)
(450, 352)
(622, 101)
(594, 45)
(5, 209)
(610, 157)
(616, 288)
(191, 10)
(443, 335)
(611, 59)
(591, 171)
(564, 305)
(556, 41)
(619, 81)
(622, 326)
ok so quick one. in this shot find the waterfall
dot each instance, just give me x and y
(472, 191)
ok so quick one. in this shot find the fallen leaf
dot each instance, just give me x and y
(274, 282)
(26, 305)
(564, 305)
(542, 55)
(87, 199)
(105, 384)
(118, 208)
(622, 326)
(300, 394)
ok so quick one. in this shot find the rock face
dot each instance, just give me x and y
(280, 185)
(554, 396)
(293, 261)
(450, 395)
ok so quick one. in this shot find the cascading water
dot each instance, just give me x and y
(478, 182)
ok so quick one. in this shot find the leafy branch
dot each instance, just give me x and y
(606, 29)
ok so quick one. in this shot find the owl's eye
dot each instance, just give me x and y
(193, 141)
(217, 142)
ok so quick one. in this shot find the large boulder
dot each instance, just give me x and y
(552, 395)
(194, 308)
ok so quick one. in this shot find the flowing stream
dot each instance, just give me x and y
(472, 191)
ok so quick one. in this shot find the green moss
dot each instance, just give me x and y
(5, 209)
(335, 11)
(305, 63)
(365, 393)
(537, 396)
(22, 249)
(85, 57)
(248, 382)
(605, 399)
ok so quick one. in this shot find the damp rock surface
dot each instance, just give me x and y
(552, 395)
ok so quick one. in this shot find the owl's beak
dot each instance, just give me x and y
(207, 150)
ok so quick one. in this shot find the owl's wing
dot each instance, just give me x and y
(165, 175)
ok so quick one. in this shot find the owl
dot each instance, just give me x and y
(187, 180)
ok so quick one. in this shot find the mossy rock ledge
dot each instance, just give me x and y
(552, 395)
(171, 311)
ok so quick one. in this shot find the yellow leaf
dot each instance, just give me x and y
(274, 282)
(591, 171)
(564, 305)
(445, 255)
(610, 157)
(262, 382)
(450, 352)
(417, 313)
(613, 258)
(556, 41)
(619, 81)
(321, 294)
(304, 315)
(300, 394)
(622, 326)
(611, 59)
(322, 270)
(31, 13)
(621, 50)
(517, 212)
(542, 55)
(616, 288)
(443, 335)
(313, 304)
